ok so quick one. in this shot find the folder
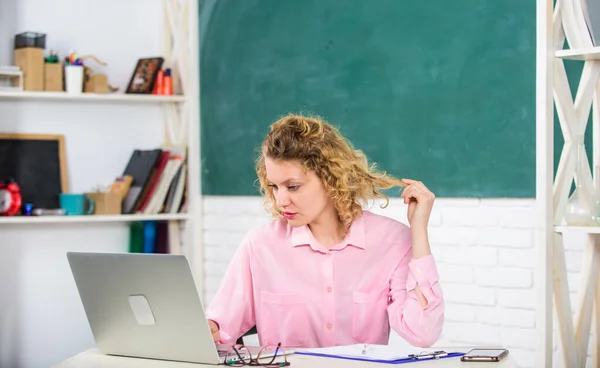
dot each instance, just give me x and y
(378, 353)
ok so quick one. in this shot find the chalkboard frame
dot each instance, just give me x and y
(59, 138)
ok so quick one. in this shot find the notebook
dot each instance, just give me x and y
(140, 167)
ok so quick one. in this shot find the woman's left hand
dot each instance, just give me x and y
(420, 202)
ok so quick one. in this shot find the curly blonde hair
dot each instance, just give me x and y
(318, 146)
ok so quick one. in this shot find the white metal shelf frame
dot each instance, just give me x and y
(556, 24)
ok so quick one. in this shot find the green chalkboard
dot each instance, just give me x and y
(439, 91)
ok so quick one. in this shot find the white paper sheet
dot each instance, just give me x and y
(371, 352)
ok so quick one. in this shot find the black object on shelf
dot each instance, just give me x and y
(30, 39)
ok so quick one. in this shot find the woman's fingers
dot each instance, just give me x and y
(411, 192)
(417, 190)
(214, 329)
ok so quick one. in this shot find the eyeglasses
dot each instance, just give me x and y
(239, 356)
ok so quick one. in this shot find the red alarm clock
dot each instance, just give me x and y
(10, 199)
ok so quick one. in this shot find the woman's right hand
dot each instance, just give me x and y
(214, 330)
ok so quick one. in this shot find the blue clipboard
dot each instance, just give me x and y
(409, 359)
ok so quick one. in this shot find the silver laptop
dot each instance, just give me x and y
(146, 306)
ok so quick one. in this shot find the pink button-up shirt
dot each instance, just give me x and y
(302, 294)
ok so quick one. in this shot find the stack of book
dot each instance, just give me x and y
(159, 181)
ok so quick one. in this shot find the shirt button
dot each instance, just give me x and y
(329, 289)
(329, 326)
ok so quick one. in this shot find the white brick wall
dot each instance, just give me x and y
(485, 254)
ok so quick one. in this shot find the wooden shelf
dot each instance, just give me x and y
(580, 229)
(91, 218)
(112, 97)
(579, 54)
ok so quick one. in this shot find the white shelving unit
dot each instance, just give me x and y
(557, 23)
(111, 97)
(181, 127)
(577, 229)
(592, 53)
(34, 220)
(38, 295)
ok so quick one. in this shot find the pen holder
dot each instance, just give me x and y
(74, 78)
(53, 77)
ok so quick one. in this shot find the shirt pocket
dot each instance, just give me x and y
(284, 319)
(370, 322)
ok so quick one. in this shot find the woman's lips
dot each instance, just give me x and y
(289, 215)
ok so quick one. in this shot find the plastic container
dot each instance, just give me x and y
(167, 83)
(74, 79)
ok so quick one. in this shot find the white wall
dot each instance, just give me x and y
(41, 318)
(485, 255)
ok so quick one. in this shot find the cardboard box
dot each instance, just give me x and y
(53, 75)
(97, 83)
(31, 62)
(106, 203)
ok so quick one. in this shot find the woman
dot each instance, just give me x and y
(325, 272)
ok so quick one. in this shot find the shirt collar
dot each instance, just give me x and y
(355, 237)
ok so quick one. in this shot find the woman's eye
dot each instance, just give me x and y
(293, 188)
(273, 186)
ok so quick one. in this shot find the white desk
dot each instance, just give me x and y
(94, 359)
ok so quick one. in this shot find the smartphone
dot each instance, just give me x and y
(484, 355)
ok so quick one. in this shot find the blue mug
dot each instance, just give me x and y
(76, 204)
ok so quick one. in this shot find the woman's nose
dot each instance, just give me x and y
(283, 198)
